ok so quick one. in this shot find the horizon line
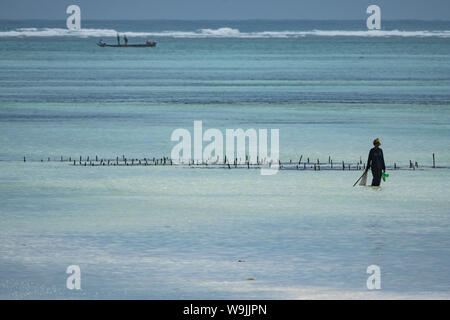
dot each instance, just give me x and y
(225, 19)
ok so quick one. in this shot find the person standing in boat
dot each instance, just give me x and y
(118, 39)
(376, 163)
(125, 39)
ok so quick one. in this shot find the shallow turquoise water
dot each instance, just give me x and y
(158, 232)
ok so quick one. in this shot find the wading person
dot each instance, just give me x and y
(376, 163)
(118, 39)
(125, 39)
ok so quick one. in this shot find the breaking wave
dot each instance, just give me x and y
(218, 33)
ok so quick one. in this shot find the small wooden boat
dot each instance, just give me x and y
(147, 44)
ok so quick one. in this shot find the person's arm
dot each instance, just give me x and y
(382, 161)
(369, 160)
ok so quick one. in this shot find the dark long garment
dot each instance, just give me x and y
(376, 163)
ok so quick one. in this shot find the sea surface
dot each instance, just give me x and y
(162, 232)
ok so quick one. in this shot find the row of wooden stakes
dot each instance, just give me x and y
(305, 165)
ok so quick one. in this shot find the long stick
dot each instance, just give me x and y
(359, 178)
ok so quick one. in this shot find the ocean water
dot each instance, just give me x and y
(330, 87)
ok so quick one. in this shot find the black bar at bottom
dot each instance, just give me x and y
(213, 309)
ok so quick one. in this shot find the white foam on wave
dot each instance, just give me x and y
(58, 32)
(224, 32)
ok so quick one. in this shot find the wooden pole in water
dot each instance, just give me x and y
(24, 160)
(434, 163)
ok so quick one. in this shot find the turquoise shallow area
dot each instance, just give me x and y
(161, 232)
(316, 130)
(166, 232)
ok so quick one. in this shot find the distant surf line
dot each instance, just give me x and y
(224, 32)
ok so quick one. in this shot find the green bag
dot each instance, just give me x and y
(384, 176)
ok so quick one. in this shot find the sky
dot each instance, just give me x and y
(225, 9)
